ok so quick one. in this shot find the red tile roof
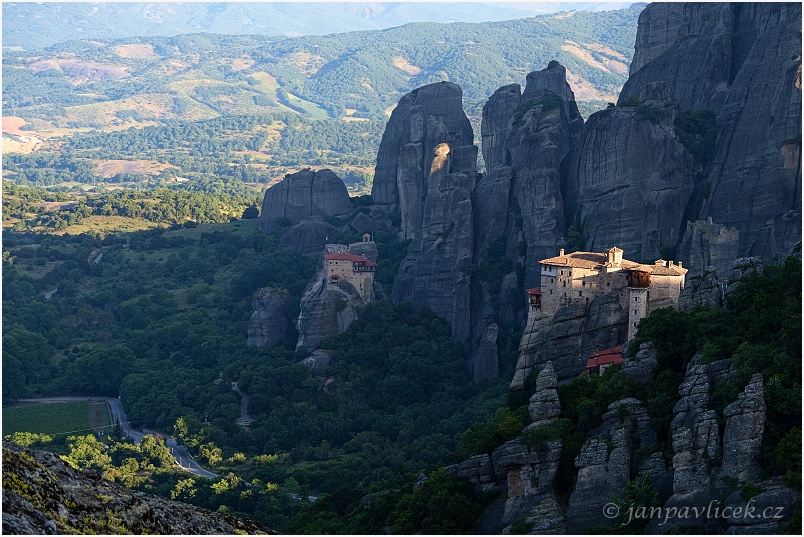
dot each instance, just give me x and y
(535, 291)
(350, 257)
(613, 355)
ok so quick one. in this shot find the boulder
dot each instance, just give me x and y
(304, 194)
(309, 237)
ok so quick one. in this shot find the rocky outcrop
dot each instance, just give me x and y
(711, 288)
(743, 61)
(697, 446)
(326, 309)
(42, 495)
(318, 361)
(768, 510)
(631, 181)
(485, 364)
(569, 337)
(270, 317)
(309, 236)
(304, 194)
(708, 247)
(479, 470)
(604, 464)
(530, 471)
(742, 439)
(642, 366)
(543, 405)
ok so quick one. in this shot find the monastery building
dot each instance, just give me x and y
(581, 276)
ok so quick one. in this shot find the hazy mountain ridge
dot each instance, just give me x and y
(357, 74)
(33, 26)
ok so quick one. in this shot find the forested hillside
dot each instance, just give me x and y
(159, 317)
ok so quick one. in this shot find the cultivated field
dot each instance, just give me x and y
(78, 418)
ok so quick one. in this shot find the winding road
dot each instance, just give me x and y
(180, 453)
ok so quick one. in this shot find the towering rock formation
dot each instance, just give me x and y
(631, 180)
(743, 61)
(426, 167)
(423, 119)
(304, 194)
(525, 140)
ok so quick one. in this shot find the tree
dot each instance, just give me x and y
(251, 213)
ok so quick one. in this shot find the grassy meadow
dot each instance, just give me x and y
(78, 417)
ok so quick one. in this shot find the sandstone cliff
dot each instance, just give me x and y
(426, 167)
(42, 495)
(304, 194)
(630, 181)
(743, 61)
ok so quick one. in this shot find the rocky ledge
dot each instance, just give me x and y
(43, 495)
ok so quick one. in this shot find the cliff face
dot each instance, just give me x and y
(304, 194)
(630, 181)
(426, 168)
(423, 119)
(42, 495)
(742, 60)
(525, 140)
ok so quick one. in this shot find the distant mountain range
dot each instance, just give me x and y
(37, 25)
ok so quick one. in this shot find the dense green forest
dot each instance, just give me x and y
(160, 320)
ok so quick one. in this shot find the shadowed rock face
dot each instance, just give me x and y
(742, 60)
(525, 141)
(270, 317)
(304, 194)
(631, 181)
(309, 237)
(43, 495)
(409, 124)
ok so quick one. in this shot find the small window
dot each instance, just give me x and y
(564, 284)
(608, 284)
(635, 312)
(583, 284)
(580, 293)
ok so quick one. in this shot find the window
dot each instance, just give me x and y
(635, 312)
(565, 284)
(608, 284)
(580, 293)
(583, 284)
